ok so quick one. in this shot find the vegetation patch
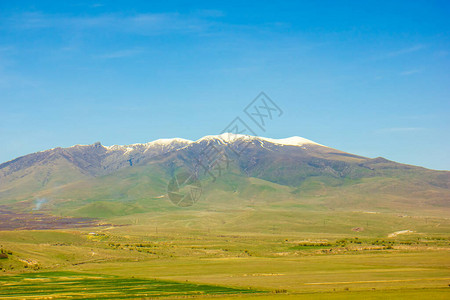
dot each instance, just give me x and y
(94, 286)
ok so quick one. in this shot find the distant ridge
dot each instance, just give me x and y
(297, 166)
(225, 137)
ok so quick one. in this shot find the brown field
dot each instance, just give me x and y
(38, 221)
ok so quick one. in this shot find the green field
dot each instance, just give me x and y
(242, 253)
(94, 286)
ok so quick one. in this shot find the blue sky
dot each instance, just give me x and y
(367, 77)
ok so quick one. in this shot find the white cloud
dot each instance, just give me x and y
(409, 72)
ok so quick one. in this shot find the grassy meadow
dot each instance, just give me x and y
(233, 254)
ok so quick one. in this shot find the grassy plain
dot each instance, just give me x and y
(247, 253)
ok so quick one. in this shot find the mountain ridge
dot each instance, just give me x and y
(135, 172)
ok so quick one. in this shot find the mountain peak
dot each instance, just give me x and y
(170, 141)
(228, 137)
(291, 141)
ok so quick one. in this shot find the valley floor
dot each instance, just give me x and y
(152, 258)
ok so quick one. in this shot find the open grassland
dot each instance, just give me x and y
(306, 274)
(415, 294)
(285, 255)
(88, 286)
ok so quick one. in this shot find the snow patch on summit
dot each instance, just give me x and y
(291, 141)
(160, 143)
(232, 137)
(170, 141)
(224, 138)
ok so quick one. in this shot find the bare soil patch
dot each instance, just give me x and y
(10, 220)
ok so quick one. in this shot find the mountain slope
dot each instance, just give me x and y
(257, 172)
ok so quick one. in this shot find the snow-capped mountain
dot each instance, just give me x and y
(96, 159)
(294, 162)
(232, 138)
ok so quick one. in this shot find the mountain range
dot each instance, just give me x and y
(235, 171)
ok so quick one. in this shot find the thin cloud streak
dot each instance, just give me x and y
(397, 53)
(406, 50)
(410, 72)
(120, 54)
(143, 24)
(399, 129)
